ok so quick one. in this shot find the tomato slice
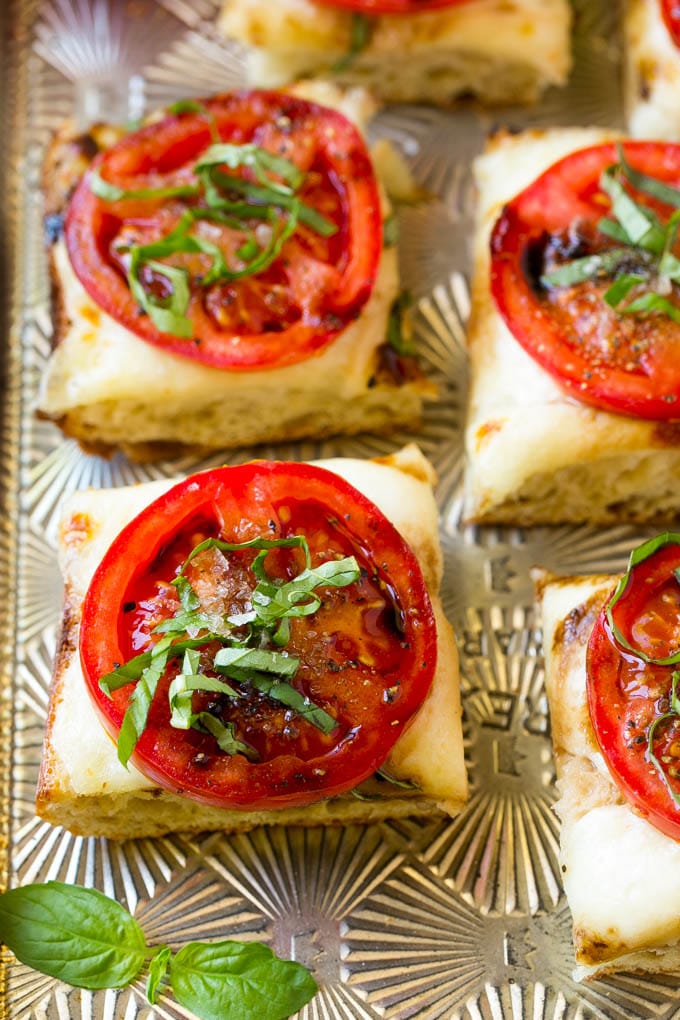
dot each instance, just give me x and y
(367, 655)
(670, 10)
(392, 6)
(622, 363)
(632, 684)
(271, 317)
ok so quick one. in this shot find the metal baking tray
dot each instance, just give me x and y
(462, 918)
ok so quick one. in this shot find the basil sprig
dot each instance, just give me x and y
(642, 239)
(242, 656)
(90, 941)
(673, 714)
(271, 198)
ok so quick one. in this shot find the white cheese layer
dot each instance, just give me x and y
(621, 875)
(82, 758)
(518, 45)
(652, 73)
(535, 454)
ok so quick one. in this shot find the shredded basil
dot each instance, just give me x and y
(398, 325)
(277, 181)
(672, 714)
(360, 32)
(193, 106)
(641, 235)
(637, 556)
(240, 657)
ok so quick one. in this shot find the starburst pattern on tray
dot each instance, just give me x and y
(415, 949)
(501, 852)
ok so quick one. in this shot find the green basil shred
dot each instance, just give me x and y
(639, 232)
(637, 556)
(250, 652)
(221, 196)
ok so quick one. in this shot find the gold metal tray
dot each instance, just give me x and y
(452, 919)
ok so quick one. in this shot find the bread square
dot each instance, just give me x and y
(499, 53)
(620, 874)
(110, 389)
(84, 787)
(534, 453)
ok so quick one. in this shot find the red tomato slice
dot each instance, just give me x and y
(670, 9)
(367, 656)
(392, 6)
(627, 694)
(622, 363)
(265, 320)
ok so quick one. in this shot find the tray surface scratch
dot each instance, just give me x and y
(462, 918)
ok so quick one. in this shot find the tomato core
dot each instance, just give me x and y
(366, 655)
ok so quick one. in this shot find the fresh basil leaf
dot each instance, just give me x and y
(285, 694)
(267, 196)
(193, 106)
(399, 334)
(390, 232)
(183, 623)
(133, 669)
(264, 670)
(137, 712)
(264, 544)
(289, 598)
(185, 683)
(649, 185)
(652, 302)
(260, 160)
(158, 968)
(613, 229)
(167, 314)
(224, 734)
(112, 193)
(77, 935)
(235, 979)
(361, 30)
(586, 268)
(188, 598)
(622, 287)
(640, 223)
(245, 659)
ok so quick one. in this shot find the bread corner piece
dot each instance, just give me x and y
(651, 73)
(110, 390)
(533, 454)
(83, 787)
(501, 53)
(621, 875)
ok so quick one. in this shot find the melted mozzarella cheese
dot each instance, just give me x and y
(621, 875)
(81, 761)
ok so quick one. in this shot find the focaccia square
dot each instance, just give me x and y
(621, 875)
(652, 72)
(501, 53)
(109, 389)
(535, 454)
(84, 787)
